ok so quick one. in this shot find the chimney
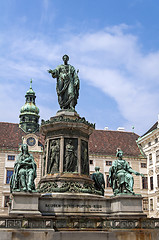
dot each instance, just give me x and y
(121, 129)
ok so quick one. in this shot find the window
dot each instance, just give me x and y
(8, 176)
(144, 183)
(145, 204)
(6, 200)
(11, 157)
(91, 161)
(108, 183)
(149, 144)
(151, 183)
(157, 156)
(108, 163)
(150, 158)
(158, 180)
(156, 140)
(151, 204)
(143, 165)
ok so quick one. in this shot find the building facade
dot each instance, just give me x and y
(149, 142)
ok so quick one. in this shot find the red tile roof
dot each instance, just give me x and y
(102, 142)
(11, 136)
(105, 142)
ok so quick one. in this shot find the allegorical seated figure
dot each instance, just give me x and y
(24, 172)
(67, 86)
(120, 176)
(98, 179)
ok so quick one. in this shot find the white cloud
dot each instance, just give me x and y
(111, 60)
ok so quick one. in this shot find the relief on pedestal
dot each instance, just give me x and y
(44, 159)
(53, 156)
(84, 158)
(70, 155)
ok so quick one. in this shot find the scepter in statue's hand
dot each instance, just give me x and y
(53, 72)
(49, 71)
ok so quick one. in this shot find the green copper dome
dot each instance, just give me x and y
(29, 107)
(30, 91)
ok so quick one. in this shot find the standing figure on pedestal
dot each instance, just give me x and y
(67, 86)
(98, 179)
(54, 157)
(70, 157)
(84, 158)
(120, 176)
(24, 172)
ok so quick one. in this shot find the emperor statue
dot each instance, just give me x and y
(67, 86)
(120, 176)
(24, 174)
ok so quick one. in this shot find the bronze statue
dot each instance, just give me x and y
(70, 157)
(84, 158)
(54, 157)
(120, 176)
(67, 86)
(24, 172)
(98, 179)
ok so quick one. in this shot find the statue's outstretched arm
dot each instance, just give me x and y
(135, 172)
(54, 73)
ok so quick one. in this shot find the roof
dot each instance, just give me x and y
(105, 142)
(11, 136)
(151, 129)
(102, 142)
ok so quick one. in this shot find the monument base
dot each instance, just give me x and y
(24, 204)
(130, 205)
(75, 204)
(45, 228)
(89, 205)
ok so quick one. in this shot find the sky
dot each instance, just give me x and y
(114, 44)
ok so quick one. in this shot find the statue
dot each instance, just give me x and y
(44, 159)
(70, 157)
(54, 157)
(120, 176)
(24, 172)
(98, 179)
(67, 86)
(84, 158)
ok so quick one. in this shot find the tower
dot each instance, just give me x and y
(29, 113)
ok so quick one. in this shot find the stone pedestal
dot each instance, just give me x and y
(127, 205)
(89, 205)
(86, 205)
(66, 161)
(24, 204)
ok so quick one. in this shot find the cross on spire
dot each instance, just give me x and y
(31, 83)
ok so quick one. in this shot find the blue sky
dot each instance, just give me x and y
(114, 44)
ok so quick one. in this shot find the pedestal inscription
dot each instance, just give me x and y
(78, 204)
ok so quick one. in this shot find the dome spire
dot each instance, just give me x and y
(31, 83)
(29, 117)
